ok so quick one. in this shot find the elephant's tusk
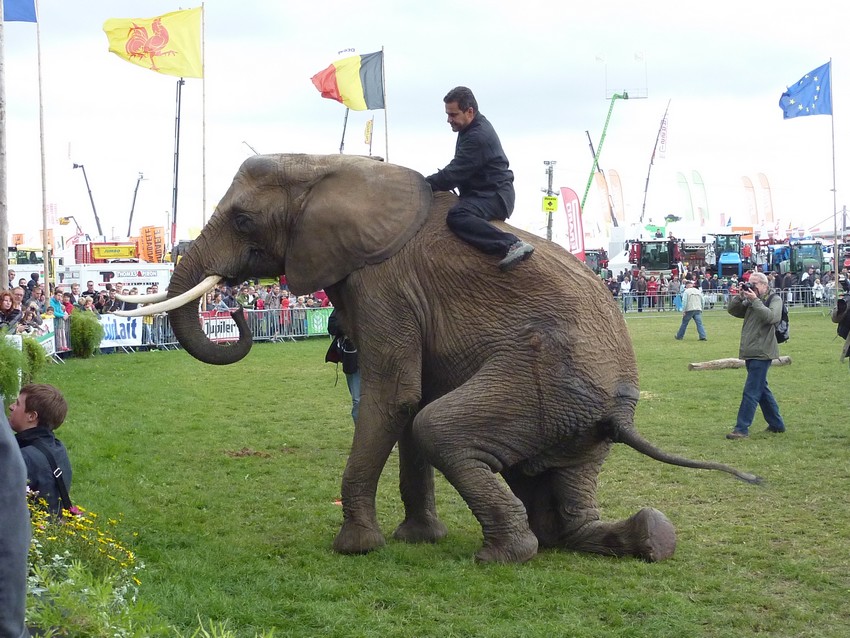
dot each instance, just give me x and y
(170, 304)
(160, 296)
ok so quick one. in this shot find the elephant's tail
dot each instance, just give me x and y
(634, 440)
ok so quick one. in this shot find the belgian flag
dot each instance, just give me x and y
(357, 81)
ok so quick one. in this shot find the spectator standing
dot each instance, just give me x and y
(34, 416)
(111, 304)
(626, 292)
(761, 311)
(343, 350)
(817, 292)
(639, 290)
(652, 292)
(841, 316)
(691, 309)
(90, 291)
(9, 316)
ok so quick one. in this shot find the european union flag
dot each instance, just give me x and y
(19, 11)
(812, 95)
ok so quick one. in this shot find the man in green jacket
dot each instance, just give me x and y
(760, 311)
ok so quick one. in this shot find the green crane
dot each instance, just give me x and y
(617, 96)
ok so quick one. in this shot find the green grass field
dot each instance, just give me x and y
(231, 475)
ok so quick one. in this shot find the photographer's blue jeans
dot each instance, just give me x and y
(756, 393)
(353, 381)
(696, 315)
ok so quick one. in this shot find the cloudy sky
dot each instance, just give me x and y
(541, 71)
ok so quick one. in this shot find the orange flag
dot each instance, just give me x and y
(169, 44)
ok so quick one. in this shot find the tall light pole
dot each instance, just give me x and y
(91, 199)
(550, 171)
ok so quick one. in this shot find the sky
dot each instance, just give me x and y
(542, 73)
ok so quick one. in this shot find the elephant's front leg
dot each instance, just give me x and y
(468, 440)
(416, 483)
(373, 442)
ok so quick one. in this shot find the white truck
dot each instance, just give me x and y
(139, 275)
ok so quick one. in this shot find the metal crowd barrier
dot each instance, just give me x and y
(795, 297)
(266, 325)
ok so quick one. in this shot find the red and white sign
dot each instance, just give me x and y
(575, 230)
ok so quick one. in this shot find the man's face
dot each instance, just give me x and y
(19, 418)
(458, 119)
(90, 285)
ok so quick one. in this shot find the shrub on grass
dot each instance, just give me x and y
(86, 334)
(35, 361)
(11, 362)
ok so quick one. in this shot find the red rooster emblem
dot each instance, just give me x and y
(140, 44)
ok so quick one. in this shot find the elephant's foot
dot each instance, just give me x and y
(653, 535)
(429, 529)
(648, 534)
(519, 550)
(354, 538)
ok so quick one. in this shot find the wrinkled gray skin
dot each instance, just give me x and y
(528, 373)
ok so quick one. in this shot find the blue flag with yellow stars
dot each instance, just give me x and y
(812, 95)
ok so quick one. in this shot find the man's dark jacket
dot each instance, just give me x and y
(479, 169)
(39, 472)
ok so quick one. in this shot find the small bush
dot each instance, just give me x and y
(35, 361)
(11, 362)
(86, 334)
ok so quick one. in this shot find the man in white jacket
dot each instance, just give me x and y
(691, 309)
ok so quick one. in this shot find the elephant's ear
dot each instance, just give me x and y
(357, 212)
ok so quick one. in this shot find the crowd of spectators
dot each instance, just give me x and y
(642, 291)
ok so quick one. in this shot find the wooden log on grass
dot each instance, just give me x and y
(719, 364)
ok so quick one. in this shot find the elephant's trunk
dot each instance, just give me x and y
(187, 326)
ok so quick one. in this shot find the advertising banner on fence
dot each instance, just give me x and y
(317, 321)
(121, 331)
(219, 326)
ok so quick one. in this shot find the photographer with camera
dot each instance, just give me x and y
(841, 316)
(761, 311)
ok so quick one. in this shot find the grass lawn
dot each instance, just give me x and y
(230, 477)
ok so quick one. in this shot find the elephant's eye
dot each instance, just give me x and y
(244, 223)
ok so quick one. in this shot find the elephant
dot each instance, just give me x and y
(529, 374)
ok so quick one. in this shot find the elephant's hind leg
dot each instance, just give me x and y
(465, 440)
(648, 534)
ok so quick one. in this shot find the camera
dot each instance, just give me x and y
(746, 286)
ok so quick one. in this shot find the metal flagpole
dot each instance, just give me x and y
(344, 126)
(384, 91)
(4, 219)
(47, 253)
(203, 127)
(834, 191)
(176, 165)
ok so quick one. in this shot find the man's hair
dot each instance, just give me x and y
(758, 277)
(464, 98)
(47, 401)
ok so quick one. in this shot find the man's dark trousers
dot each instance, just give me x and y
(469, 220)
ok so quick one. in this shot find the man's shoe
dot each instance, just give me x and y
(772, 431)
(678, 338)
(734, 434)
(703, 339)
(519, 251)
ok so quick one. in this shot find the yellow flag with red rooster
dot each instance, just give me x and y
(169, 44)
